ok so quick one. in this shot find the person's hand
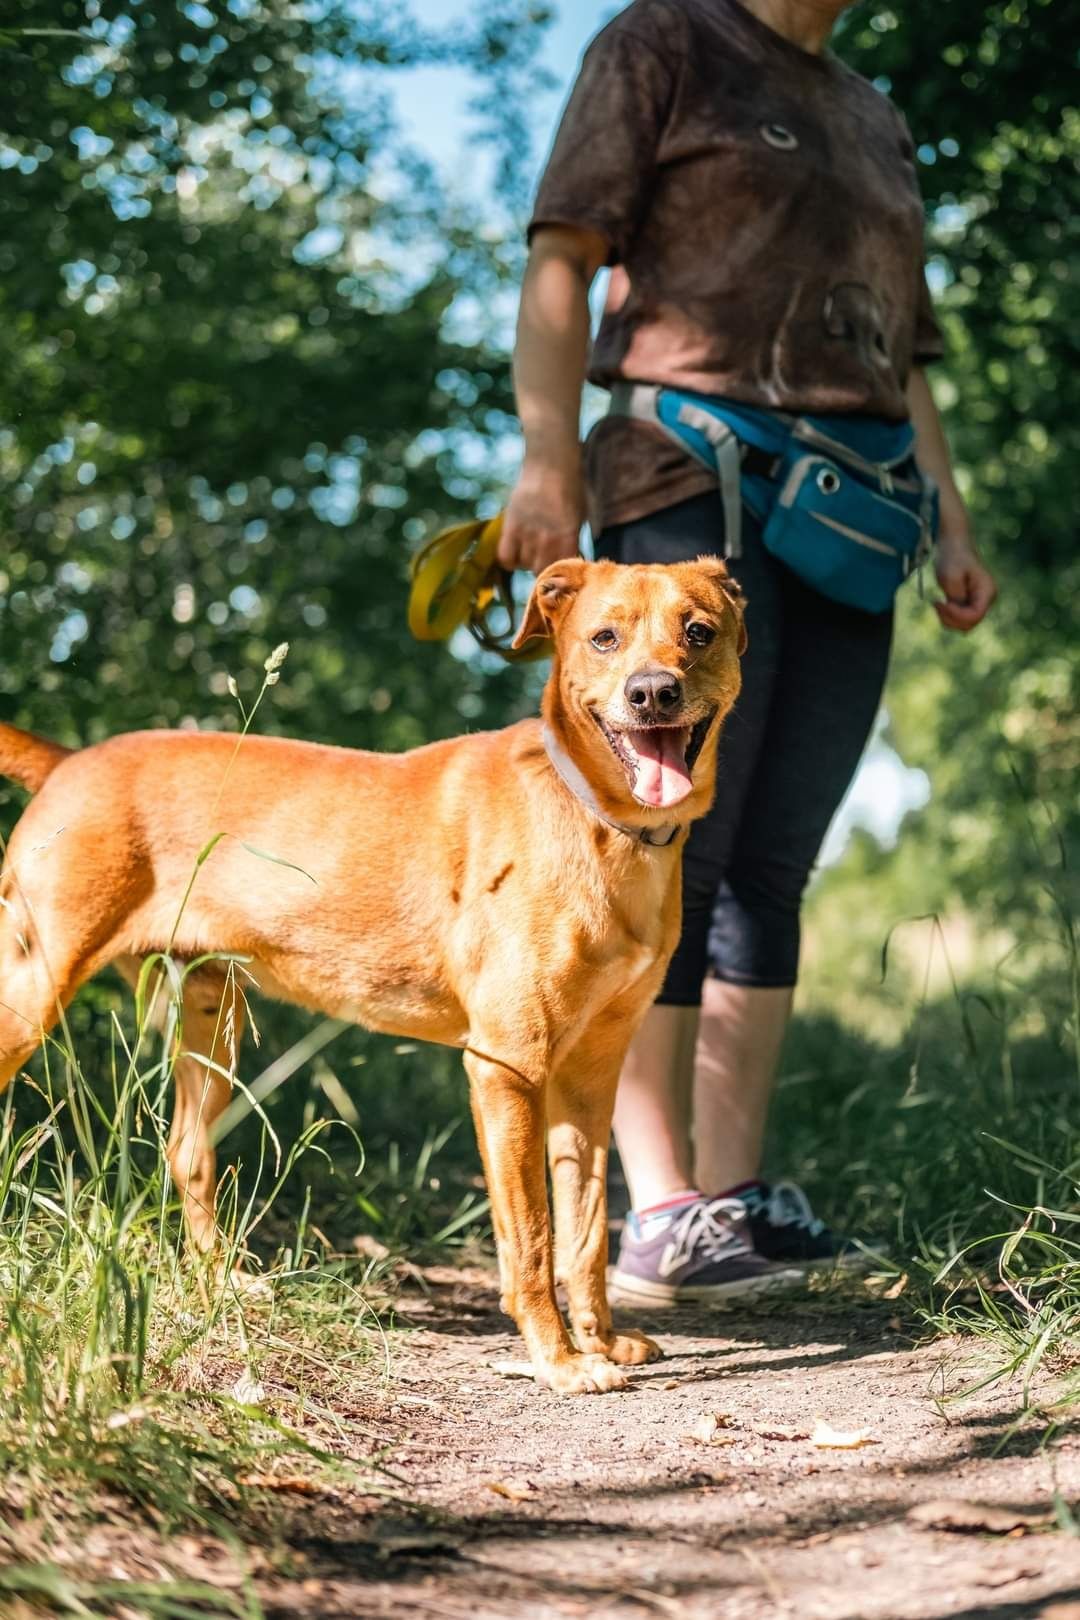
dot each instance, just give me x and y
(967, 582)
(542, 523)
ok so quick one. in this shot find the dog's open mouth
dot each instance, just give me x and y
(658, 760)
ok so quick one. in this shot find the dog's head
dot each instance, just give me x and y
(646, 667)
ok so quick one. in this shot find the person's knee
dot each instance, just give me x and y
(754, 936)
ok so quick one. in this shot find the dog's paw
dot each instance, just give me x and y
(582, 1375)
(631, 1349)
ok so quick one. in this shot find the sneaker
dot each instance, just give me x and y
(785, 1230)
(699, 1251)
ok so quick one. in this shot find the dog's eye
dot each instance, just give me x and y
(605, 640)
(698, 634)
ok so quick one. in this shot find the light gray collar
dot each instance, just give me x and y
(652, 837)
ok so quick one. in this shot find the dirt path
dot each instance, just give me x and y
(619, 1506)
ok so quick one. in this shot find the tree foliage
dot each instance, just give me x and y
(990, 92)
(248, 356)
(238, 371)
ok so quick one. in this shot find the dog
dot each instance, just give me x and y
(515, 894)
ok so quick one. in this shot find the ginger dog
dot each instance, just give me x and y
(513, 893)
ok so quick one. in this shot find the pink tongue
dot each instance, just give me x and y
(660, 774)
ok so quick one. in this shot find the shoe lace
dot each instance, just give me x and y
(788, 1205)
(709, 1229)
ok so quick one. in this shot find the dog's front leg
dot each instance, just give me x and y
(581, 1099)
(510, 1117)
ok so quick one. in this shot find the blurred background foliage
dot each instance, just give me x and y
(250, 355)
(991, 96)
(245, 358)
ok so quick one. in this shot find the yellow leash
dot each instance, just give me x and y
(456, 581)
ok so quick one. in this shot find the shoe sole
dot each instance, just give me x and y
(626, 1290)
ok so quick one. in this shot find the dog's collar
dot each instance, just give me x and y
(652, 837)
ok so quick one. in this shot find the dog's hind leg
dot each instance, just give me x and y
(581, 1098)
(208, 1033)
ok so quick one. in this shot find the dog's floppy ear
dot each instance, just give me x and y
(730, 590)
(552, 594)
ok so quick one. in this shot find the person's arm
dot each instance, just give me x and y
(544, 517)
(967, 582)
(592, 198)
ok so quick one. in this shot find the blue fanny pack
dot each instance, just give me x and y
(840, 498)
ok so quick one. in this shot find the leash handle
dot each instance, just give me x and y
(449, 574)
(457, 581)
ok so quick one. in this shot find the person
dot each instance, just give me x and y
(757, 203)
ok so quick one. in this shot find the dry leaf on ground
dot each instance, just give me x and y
(247, 1391)
(830, 1439)
(976, 1518)
(121, 1420)
(299, 1483)
(512, 1491)
(707, 1429)
(370, 1247)
(781, 1431)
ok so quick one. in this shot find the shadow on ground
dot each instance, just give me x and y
(526, 1507)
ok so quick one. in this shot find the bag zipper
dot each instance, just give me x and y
(854, 535)
(806, 433)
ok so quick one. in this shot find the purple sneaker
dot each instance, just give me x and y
(699, 1250)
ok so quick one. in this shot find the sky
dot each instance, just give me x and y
(431, 103)
(431, 106)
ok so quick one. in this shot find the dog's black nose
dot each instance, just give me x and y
(653, 694)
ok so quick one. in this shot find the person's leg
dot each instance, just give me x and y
(740, 1035)
(828, 687)
(652, 1109)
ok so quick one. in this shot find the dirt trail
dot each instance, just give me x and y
(610, 1506)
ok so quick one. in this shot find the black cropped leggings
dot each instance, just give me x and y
(812, 679)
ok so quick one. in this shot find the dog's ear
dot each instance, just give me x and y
(730, 589)
(552, 594)
(744, 639)
(737, 602)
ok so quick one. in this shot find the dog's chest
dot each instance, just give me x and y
(639, 922)
(641, 906)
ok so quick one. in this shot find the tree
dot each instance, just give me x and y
(233, 385)
(248, 357)
(990, 94)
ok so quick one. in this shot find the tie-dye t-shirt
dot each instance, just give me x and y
(765, 225)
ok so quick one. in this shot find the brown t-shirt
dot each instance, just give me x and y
(765, 226)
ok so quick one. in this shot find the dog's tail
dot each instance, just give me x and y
(27, 759)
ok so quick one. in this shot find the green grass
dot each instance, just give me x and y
(135, 1378)
(953, 1138)
(50, 1586)
(140, 1383)
(124, 1362)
